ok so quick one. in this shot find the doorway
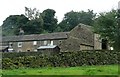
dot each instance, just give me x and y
(104, 44)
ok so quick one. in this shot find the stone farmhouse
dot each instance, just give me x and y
(79, 38)
(32, 42)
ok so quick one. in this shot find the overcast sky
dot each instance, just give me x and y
(16, 7)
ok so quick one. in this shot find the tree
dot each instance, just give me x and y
(33, 26)
(14, 23)
(50, 22)
(32, 14)
(11, 24)
(72, 19)
(117, 38)
(106, 26)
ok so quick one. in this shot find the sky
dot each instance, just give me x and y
(17, 7)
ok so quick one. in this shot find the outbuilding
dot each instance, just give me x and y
(3, 48)
(49, 49)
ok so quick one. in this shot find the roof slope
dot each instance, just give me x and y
(84, 34)
(36, 37)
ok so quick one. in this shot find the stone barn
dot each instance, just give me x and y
(80, 38)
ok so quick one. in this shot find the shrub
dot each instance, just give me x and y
(63, 59)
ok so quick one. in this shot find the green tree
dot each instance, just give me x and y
(117, 38)
(11, 24)
(35, 23)
(72, 19)
(106, 25)
(50, 22)
(33, 26)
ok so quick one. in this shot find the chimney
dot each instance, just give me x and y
(21, 32)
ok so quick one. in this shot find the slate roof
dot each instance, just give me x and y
(36, 37)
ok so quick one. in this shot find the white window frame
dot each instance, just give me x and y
(19, 44)
(51, 42)
(34, 42)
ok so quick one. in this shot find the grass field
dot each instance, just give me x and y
(82, 70)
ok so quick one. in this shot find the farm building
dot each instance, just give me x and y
(79, 38)
(49, 49)
(28, 43)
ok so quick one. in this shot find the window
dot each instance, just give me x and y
(60, 41)
(51, 42)
(35, 50)
(45, 42)
(28, 50)
(34, 42)
(10, 44)
(19, 44)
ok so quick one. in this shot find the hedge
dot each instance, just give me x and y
(63, 59)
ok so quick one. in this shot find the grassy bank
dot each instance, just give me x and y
(82, 70)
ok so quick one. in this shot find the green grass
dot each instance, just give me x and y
(82, 70)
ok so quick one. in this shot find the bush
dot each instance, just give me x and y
(63, 59)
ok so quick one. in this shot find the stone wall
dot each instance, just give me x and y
(62, 59)
(79, 38)
(97, 42)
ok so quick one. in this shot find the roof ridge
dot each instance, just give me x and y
(35, 34)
